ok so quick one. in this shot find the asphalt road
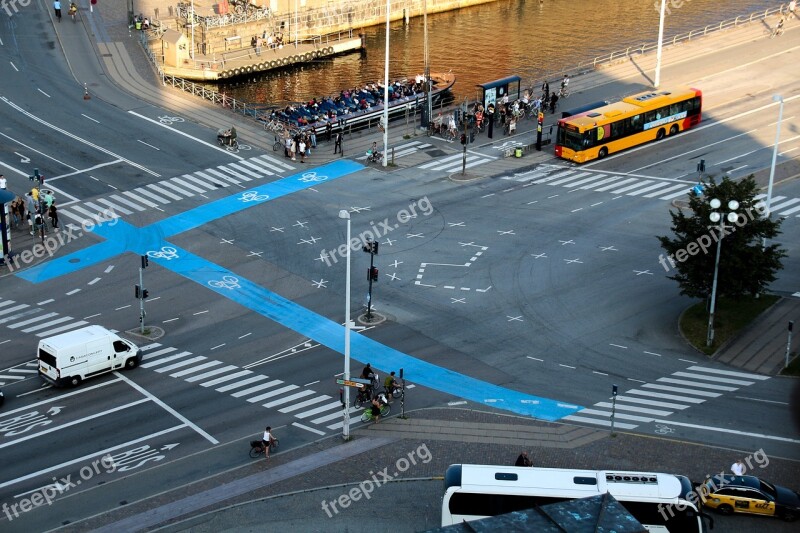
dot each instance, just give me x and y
(525, 279)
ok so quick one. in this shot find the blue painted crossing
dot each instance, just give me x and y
(122, 237)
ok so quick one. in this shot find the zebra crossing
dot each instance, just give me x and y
(645, 187)
(154, 195)
(305, 404)
(454, 163)
(663, 189)
(25, 318)
(676, 392)
(402, 150)
(18, 373)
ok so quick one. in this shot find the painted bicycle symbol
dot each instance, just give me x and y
(662, 429)
(166, 252)
(310, 177)
(227, 282)
(245, 147)
(168, 121)
(253, 196)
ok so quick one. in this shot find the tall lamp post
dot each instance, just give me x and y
(346, 422)
(775, 98)
(717, 217)
(660, 43)
(386, 90)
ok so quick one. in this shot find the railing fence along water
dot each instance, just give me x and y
(253, 110)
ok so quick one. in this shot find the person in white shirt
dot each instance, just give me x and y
(738, 468)
(2, 182)
(267, 440)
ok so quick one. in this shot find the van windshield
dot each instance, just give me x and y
(47, 358)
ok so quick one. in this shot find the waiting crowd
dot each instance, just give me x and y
(33, 211)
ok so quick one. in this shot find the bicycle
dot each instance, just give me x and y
(563, 92)
(366, 416)
(278, 144)
(257, 447)
(778, 30)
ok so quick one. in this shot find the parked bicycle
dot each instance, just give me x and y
(278, 144)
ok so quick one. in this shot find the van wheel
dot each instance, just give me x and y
(674, 129)
(725, 509)
(130, 363)
(602, 153)
(661, 134)
(75, 381)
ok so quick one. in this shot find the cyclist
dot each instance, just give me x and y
(390, 384)
(377, 403)
(267, 439)
(73, 10)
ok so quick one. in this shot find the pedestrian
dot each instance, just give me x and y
(57, 9)
(293, 149)
(337, 147)
(2, 182)
(545, 88)
(287, 148)
(738, 468)
(553, 101)
(52, 212)
(313, 138)
(792, 8)
(523, 460)
(301, 148)
(267, 439)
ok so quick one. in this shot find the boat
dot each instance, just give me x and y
(363, 105)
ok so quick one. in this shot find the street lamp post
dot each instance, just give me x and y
(346, 421)
(660, 43)
(775, 98)
(717, 217)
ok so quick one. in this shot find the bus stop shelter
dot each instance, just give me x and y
(489, 93)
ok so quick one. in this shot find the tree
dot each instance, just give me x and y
(745, 268)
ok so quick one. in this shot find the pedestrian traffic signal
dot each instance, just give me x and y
(463, 138)
(372, 274)
(145, 261)
(371, 247)
(145, 293)
(136, 291)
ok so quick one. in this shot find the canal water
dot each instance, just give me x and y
(528, 38)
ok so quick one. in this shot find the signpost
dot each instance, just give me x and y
(355, 382)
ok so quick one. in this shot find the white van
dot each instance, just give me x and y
(71, 357)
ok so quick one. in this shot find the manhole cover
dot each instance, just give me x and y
(435, 152)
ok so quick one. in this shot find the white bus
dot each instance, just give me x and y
(661, 502)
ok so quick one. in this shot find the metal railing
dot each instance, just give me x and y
(631, 51)
(681, 37)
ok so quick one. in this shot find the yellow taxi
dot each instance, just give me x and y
(728, 494)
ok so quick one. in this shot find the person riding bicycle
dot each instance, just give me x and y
(267, 440)
(374, 155)
(227, 137)
(378, 401)
(565, 82)
(390, 383)
(73, 9)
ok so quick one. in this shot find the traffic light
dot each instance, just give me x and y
(372, 274)
(463, 138)
(140, 293)
(145, 261)
(136, 291)
(374, 246)
(145, 293)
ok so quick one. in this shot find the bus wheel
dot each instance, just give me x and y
(75, 381)
(660, 135)
(602, 153)
(130, 363)
(674, 129)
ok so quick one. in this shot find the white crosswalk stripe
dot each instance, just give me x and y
(62, 329)
(661, 398)
(175, 189)
(455, 162)
(46, 324)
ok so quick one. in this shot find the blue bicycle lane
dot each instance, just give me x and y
(122, 237)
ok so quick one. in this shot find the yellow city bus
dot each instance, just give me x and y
(632, 121)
